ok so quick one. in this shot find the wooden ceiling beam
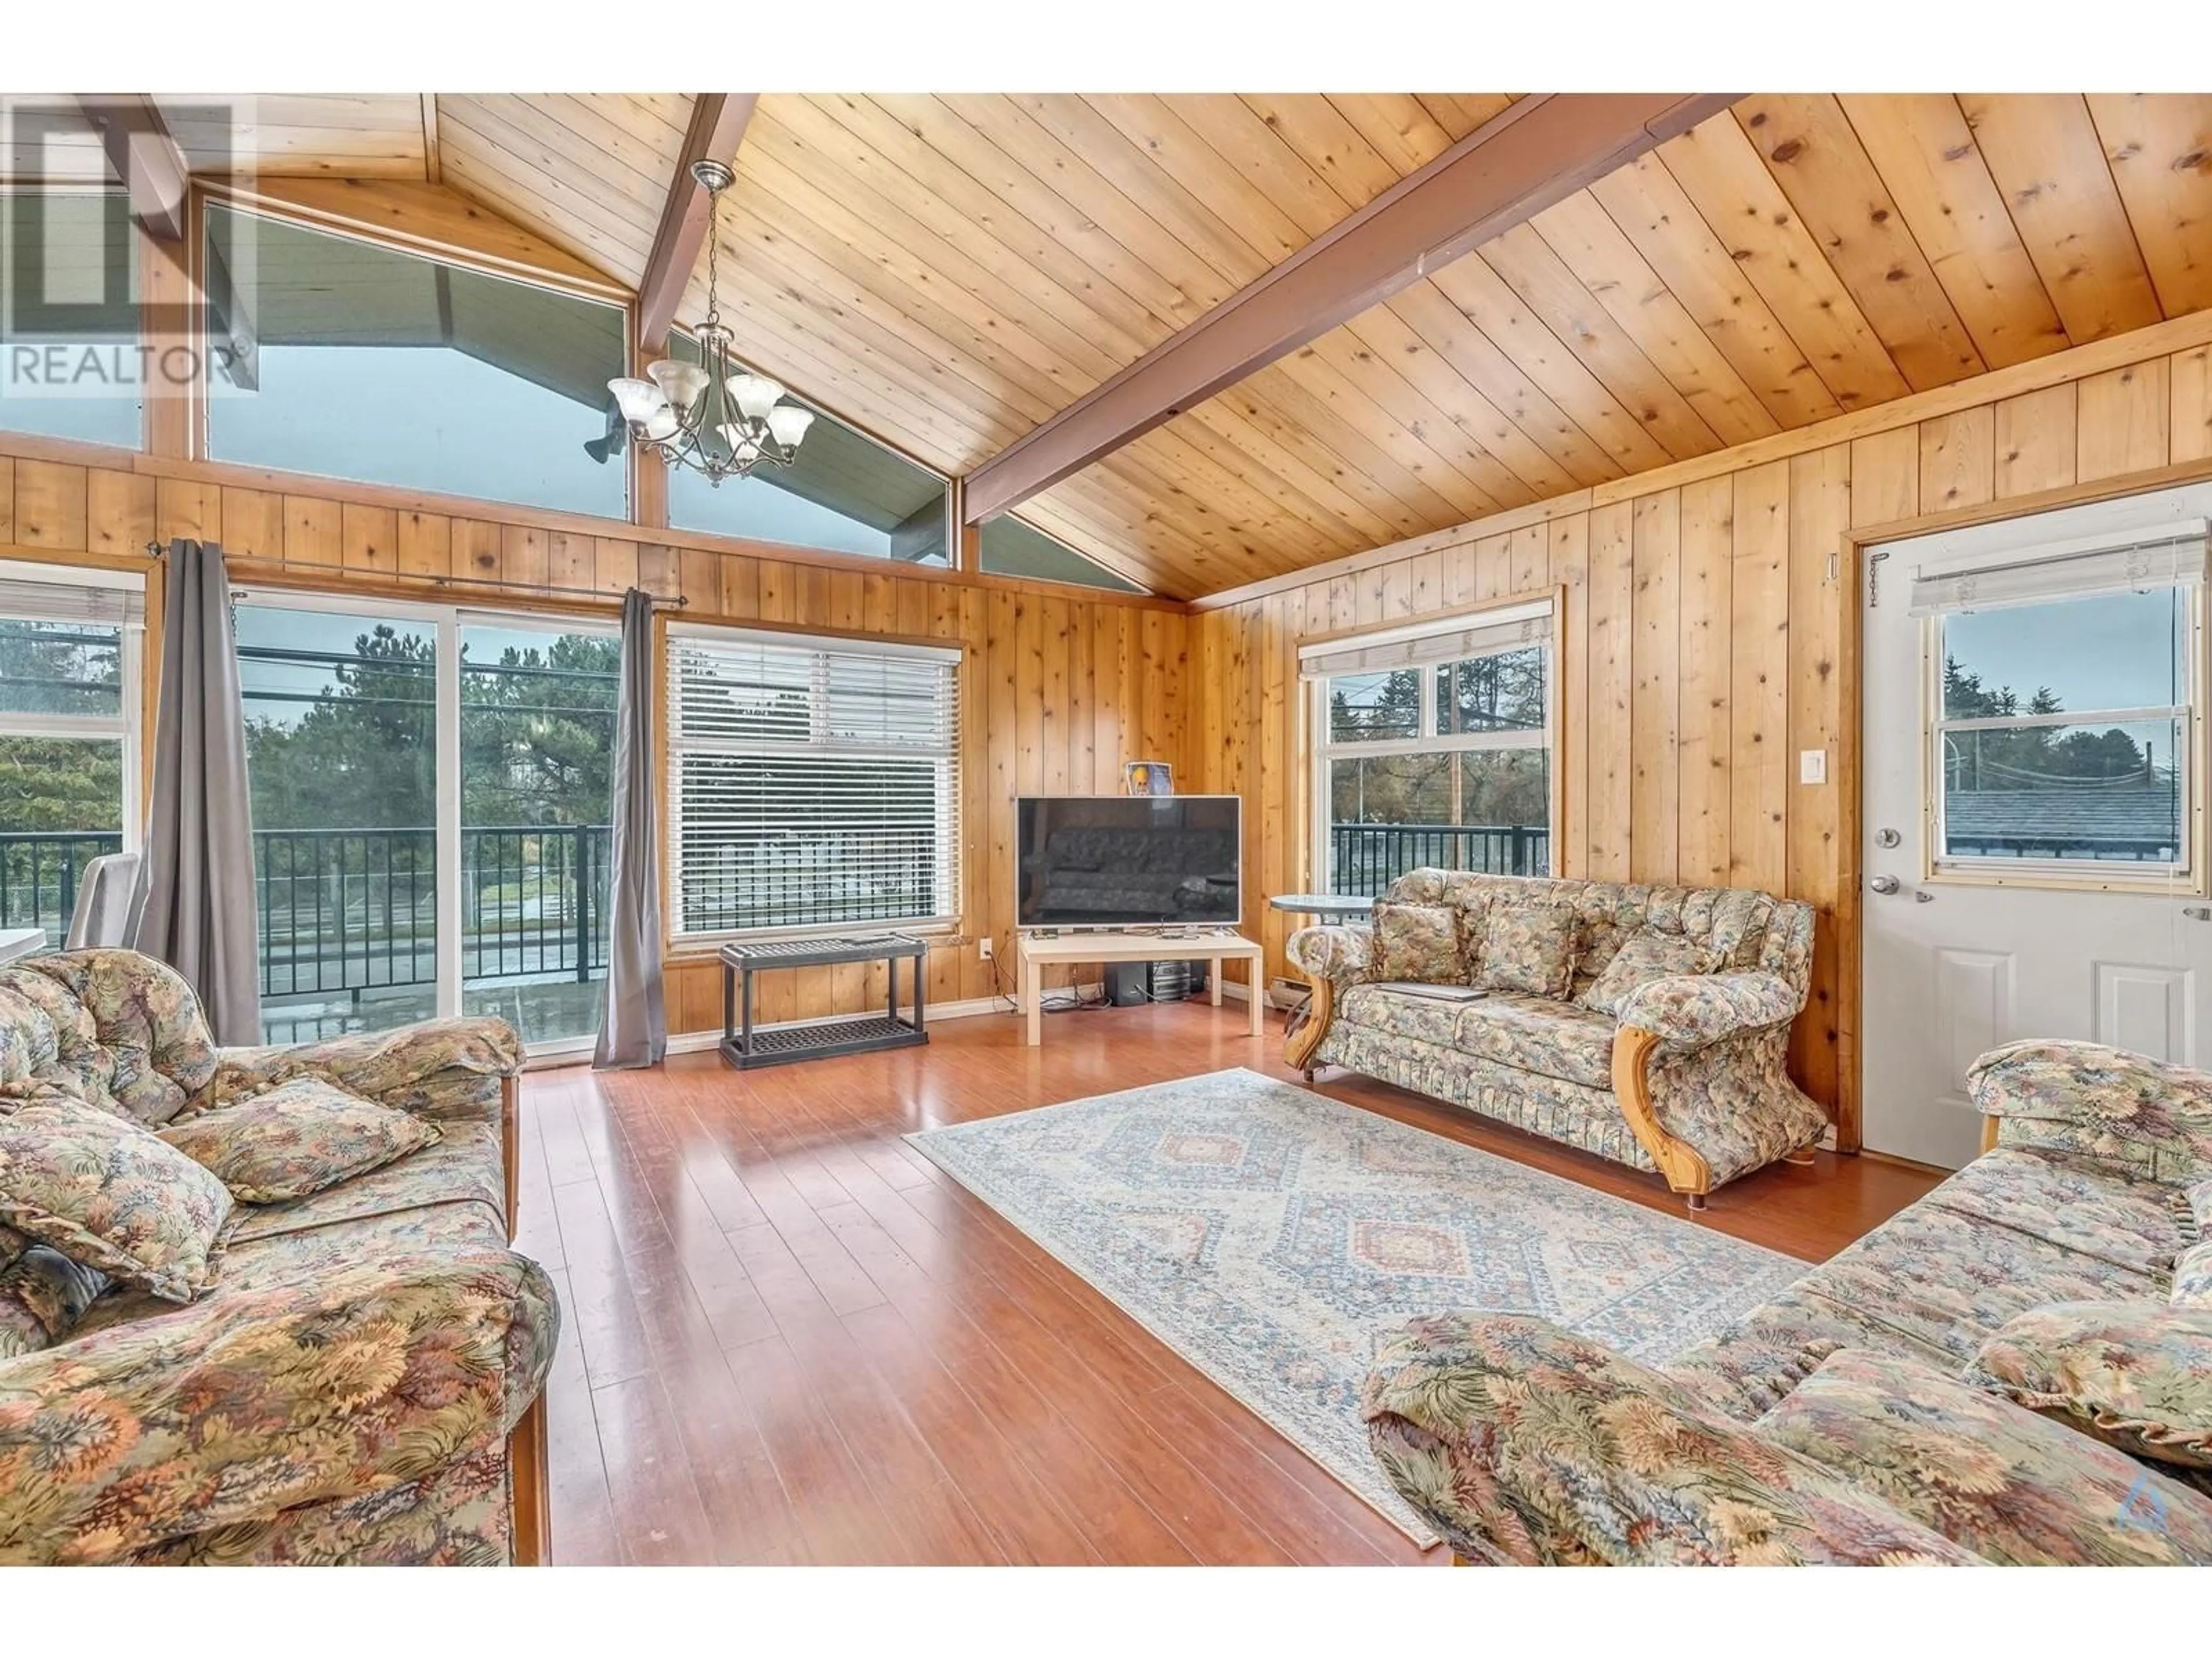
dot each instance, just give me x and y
(433, 159)
(149, 163)
(1534, 154)
(718, 127)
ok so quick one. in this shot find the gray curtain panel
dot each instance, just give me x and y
(634, 1025)
(193, 905)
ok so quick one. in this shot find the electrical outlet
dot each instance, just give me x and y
(983, 947)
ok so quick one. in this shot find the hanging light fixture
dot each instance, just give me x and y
(712, 416)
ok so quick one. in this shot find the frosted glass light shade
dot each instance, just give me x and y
(662, 424)
(744, 446)
(639, 400)
(787, 423)
(681, 382)
(753, 394)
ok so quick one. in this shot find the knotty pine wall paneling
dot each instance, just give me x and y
(1060, 686)
(1703, 635)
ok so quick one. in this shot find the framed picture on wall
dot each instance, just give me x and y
(1148, 778)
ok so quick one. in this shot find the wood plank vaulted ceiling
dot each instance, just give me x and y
(948, 272)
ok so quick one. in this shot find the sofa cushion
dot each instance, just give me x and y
(1418, 942)
(308, 1254)
(1948, 1280)
(109, 1194)
(2010, 1486)
(2076, 1203)
(1537, 1034)
(1531, 1034)
(462, 1167)
(1525, 1443)
(297, 1138)
(1749, 1368)
(2136, 1373)
(1646, 954)
(1527, 947)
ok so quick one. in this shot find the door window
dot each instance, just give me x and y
(2064, 732)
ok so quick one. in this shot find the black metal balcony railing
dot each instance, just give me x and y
(1366, 857)
(38, 875)
(345, 911)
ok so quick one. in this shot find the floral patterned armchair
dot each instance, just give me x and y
(363, 1381)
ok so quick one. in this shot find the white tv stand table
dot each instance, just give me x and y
(1216, 945)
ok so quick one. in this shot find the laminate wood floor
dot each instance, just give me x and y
(790, 1339)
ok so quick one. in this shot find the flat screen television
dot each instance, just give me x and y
(1128, 860)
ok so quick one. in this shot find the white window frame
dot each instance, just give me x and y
(2185, 870)
(126, 727)
(447, 621)
(681, 746)
(1321, 751)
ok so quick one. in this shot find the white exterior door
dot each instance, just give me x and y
(2032, 762)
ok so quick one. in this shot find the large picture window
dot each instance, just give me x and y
(337, 357)
(2064, 711)
(1432, 745)
(814, 783)
(845, 492)
(69, 317)
(71, 646)
(1008, 546)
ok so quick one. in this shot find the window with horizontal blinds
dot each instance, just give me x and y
(58, 600)
(1431, 746)
(2172, 556)
(1509, 628)
(814, 783)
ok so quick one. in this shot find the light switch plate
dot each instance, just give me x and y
(1813, 766)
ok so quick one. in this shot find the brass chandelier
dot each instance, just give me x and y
(713, 416)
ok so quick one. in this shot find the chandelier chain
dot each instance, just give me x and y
(712, 417)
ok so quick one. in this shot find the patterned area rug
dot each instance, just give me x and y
(1271, 1237)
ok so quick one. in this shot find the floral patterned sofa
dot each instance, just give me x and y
(1687, 1077)
(1879, 1409)
(362, 1380)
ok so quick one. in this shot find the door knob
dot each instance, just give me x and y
(1884, 884)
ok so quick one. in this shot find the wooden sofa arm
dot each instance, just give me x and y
(1685, 1168)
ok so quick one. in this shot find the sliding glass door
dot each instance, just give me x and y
(431, 798)
(537, 739)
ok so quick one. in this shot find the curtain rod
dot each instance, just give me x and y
(506, 589)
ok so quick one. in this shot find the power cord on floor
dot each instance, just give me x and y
(1073, 1001)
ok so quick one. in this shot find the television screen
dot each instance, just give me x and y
(1127, 861)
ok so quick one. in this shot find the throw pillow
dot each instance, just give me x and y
(1419, 942)
(2138, 1373)
(2009, 1485)
(297, 1138)
(111, 1195)
(1647, 954)
(1527, 947)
